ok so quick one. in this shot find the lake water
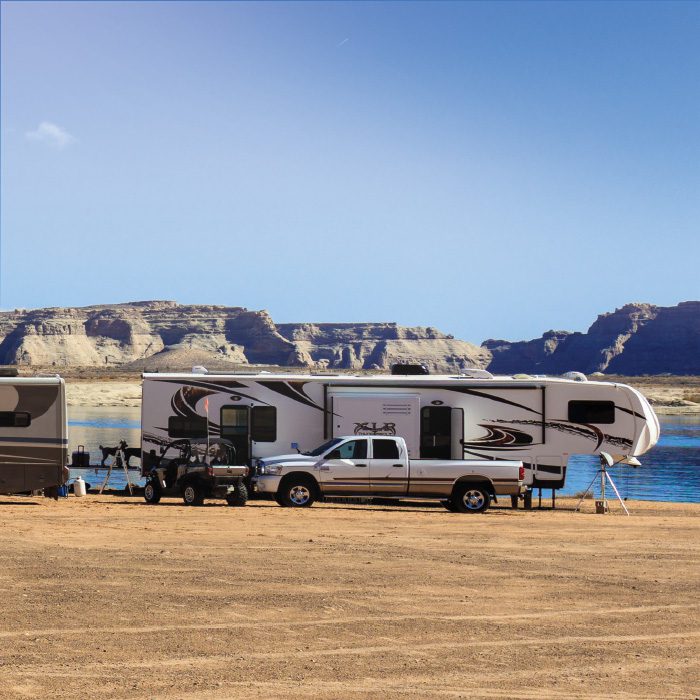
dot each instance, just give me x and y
(670, 472)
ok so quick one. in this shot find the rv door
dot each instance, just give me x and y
(235, 426)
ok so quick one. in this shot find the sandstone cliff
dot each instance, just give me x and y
(166, 335)
(635, 339)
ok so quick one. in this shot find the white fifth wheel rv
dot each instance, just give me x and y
(539, 420)
(33, 434)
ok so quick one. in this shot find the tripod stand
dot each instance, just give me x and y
(119, 462)
(606, 461)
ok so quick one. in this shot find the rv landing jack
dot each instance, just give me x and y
(527, 500)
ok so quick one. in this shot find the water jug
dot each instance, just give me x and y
(79, 487)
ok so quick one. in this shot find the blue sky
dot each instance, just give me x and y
(490, 169)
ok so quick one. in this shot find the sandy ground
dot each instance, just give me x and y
(668, 394)
(108, 597)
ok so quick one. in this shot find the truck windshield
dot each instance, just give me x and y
(323, 448)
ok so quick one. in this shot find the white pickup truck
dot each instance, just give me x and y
(379, 467)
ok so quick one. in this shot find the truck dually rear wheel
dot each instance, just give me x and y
(471, 498)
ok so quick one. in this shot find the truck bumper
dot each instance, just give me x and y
(266, 484)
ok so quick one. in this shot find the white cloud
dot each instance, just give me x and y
(52, 135)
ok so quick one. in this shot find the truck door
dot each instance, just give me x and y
(436, 432)
(235, 426)
(345, 470)
(388, 468)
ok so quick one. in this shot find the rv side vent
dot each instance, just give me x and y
(396, 409)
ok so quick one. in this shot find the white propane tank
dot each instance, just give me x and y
(79, 487)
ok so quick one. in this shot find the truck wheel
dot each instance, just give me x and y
(238, 497)
(297, 493)
(449, 504)
(192, 494)
(152, 492)
(471, 498)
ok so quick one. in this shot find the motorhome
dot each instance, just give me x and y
(33, 434)
(539, 420)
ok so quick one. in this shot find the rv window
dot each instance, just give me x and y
(264, 424)
(592, 412)
(384, 449)
(193, 427)
(14, 419)
(234, 421)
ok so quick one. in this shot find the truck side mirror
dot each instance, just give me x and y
(334, 454)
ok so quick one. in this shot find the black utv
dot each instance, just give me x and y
(195, 470)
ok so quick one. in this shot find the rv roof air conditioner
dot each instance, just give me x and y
(474, 374)
(409, 368)
(199, 369)
(575, 376)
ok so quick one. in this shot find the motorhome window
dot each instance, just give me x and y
(592, 412)
(192, 427)
(384, 449)
(15, 419)
(264, 424)
(234, 421)
(355, 449)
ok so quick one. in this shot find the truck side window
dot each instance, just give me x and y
(384, 449)
(15, 419)
(355, 449)
(602, 412)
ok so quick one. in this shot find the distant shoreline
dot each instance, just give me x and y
(669, 395)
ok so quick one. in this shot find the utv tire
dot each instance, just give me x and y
(471, 498)
(152, 492)
(239, 497)
(297, 493)
(192, 494)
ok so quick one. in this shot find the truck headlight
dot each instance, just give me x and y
(269, 469)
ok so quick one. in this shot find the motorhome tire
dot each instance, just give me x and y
(514, 502)
(152, 492)
(297, 492)
(237, 497)
(192, 494)
(471, 498)
(527, 500)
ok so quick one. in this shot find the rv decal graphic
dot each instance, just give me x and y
(498, 438)
(375, 429)
(584, 430)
